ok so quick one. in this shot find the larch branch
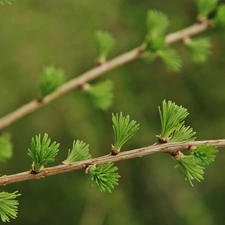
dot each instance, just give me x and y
(96, 72)
(135, 153)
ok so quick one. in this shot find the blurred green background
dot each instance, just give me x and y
(34, 34)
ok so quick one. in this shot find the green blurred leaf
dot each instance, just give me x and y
(123, 130)
(149, 56)
(51, 80)
(80, 151)
(101, 94)
(5, 147)
(8, 205)
(104, 176)
(219, 19)
(42, 151)
(199, 49)
(205, 7)
(104, 43)
(157, 22)
(170, 58)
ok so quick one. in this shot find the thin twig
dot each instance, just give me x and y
(171, 148)
(96, 72)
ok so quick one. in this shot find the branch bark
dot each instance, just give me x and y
(135, 153)
(96, 72)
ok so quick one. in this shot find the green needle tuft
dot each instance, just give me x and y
(190, 167)
(172, 118)
(183, 134)
(104, 176)
(80, 151)
(8, 205)
(205, 153)
(42, 151)
(123, 130)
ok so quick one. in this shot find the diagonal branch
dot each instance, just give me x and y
(96, 72)
(149, 150)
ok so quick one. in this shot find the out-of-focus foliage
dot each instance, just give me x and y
(219, 19)
(205, 7)
(157, 22)
(6, 149)
(100, 94)
(38, 33)
(199, 49)
(51, 79)
(170, 58)
(104, 42)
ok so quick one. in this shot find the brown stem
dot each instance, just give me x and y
(96, 72)
(171, 148)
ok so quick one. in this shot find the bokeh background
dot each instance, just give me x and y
(34, 34)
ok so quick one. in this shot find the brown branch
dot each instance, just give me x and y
(171, 148)
(96, 72)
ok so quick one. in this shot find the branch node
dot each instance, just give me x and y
(84, 166)
(185, 39)
(84, 87)
(114, 152)
(39, 100)
(162, 141)
(200, 21)
(34, 172)
(100, 63)
(140, 51)
(88, 166)
(175, 154)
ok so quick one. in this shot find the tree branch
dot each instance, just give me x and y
(64, 168)
(96, 72)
